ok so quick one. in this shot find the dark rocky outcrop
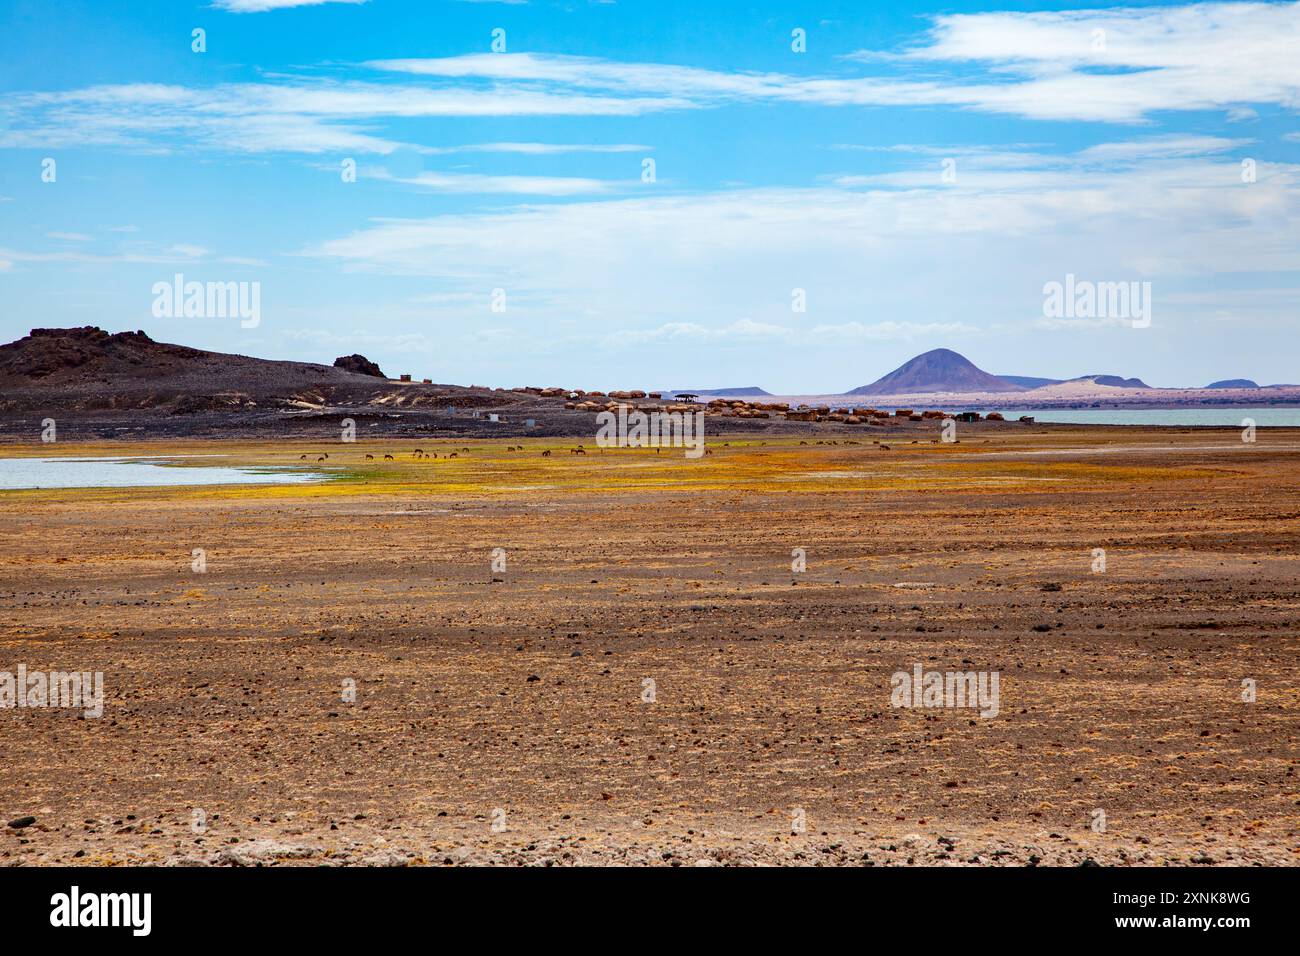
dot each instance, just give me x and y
(359, 364)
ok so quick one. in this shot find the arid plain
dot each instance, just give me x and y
(505, 717)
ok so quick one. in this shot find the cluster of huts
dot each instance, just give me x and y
(579, 400)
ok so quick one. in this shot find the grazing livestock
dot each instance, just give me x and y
(321, 458)
(547, 453)
(370, 457)
(388, 458)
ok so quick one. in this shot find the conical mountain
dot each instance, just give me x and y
(939, 370)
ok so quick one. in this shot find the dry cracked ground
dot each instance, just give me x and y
(648, 681)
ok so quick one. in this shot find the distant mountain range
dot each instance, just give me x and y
(1234, 383)
(744, 390)
(91, 368)
(939, 370)
(1029, 381)
(943, 370)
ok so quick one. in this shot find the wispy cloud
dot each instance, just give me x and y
(480, 183)
(1070, 65)
(542, 149)
(868, 258)
(301, 116)
(262, 6)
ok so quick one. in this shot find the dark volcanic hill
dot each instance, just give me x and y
(939, 370)
(1233, 383)
(88, 368)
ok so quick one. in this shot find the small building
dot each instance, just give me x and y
(967, 416)
(687, 397)
(406, 377)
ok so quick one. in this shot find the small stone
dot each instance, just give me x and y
(21, 822)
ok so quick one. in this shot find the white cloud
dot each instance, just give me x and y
(894, 259)
(147, 254)
(69, 236)
(542, 149)
(480, 183)
(1161, 146)
(1069, 65)
(261, 6)
(188, 250)
(295, 115)
(1212, 56)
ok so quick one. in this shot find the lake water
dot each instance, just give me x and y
(18, 473)
(1232, 417)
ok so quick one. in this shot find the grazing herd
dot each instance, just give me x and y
(420, 454)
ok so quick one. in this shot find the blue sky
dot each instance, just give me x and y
(1104, 141)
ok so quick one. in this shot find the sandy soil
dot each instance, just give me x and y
(501, 717)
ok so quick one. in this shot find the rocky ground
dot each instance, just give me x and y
(648, 681)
